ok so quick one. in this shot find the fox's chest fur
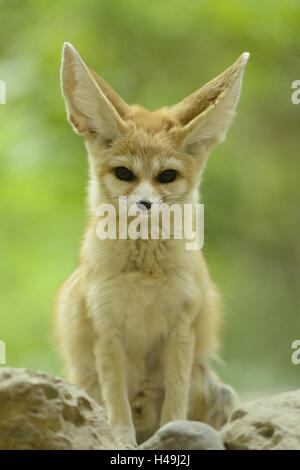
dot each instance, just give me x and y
(143, 288)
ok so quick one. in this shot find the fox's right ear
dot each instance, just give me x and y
(204, 117)
(92, 105)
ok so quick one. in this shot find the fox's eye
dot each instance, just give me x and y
(124, 174)
(167, 176)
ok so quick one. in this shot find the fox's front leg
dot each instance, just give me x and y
(111, 367)
(177, 374)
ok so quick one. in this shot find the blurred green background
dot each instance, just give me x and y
(155, 53)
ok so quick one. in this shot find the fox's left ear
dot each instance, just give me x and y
(93, 107)
(204, 117)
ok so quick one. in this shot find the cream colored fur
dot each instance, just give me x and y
(138, 320)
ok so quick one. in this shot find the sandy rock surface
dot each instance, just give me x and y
(39, 411)
(271, 423)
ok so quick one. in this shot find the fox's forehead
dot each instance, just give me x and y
(150, 121)
(147, 138)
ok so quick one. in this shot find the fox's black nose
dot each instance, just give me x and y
(144, 205)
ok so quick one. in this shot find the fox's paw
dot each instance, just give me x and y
(223, 400)
(125, 437)
(126, 446)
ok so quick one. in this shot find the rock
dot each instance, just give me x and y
(184, 435)
(39, 411)
(271, 423)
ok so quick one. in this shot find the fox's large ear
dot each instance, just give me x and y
(205, 116)
(93, 107)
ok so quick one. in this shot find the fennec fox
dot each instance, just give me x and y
(138, 320)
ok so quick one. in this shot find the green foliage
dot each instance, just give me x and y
(155, 53)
